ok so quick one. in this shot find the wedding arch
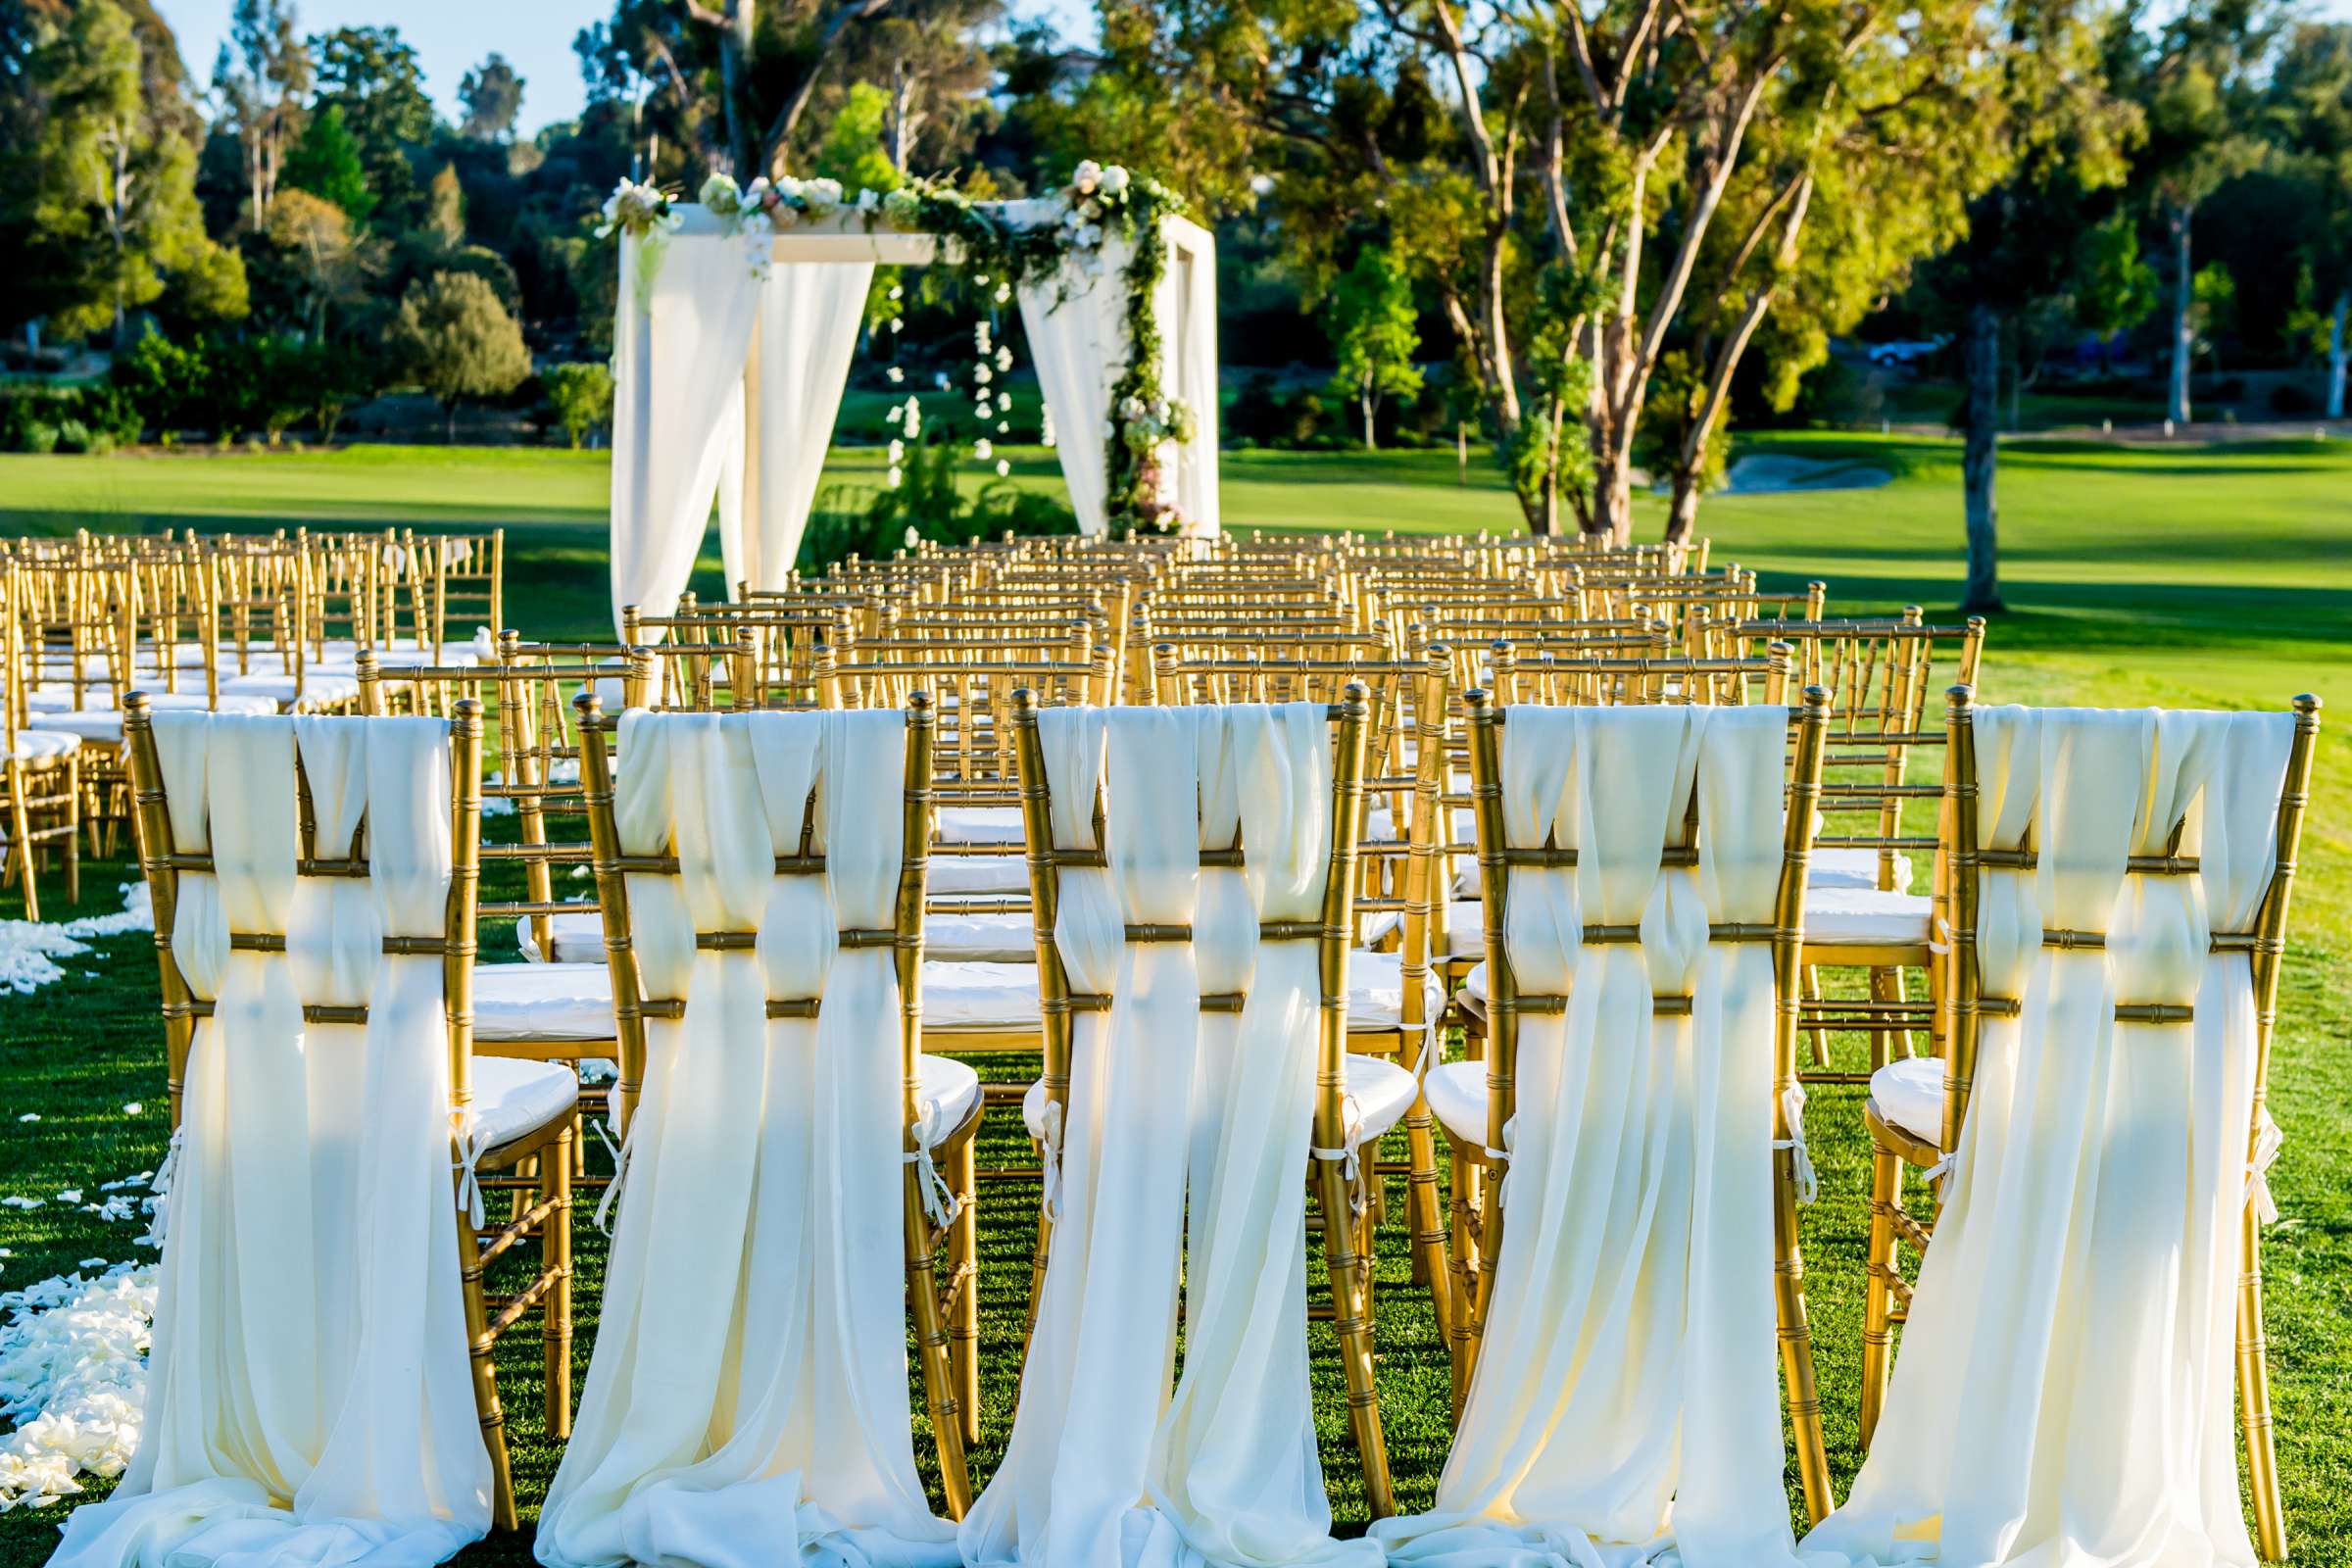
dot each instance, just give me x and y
(739, 315)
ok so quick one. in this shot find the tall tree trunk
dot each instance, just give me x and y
(901, 108)
(1363, 402)
(1682, 512)
(2339, 351)
(1979, 460)
(2185, 335)
(450, 428)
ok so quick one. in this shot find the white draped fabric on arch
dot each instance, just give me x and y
(729, 372)
(308, 1397)
(1106, 1467)
(2062, 1393)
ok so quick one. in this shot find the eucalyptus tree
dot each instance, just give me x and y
(1581, 187)
(2308, 118)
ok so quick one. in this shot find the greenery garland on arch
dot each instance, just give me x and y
(1099, 203)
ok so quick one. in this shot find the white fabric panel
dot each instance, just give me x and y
(809, 314)
(1076, 323)
(308, 1398)
(686, 314)
(747, 1402)
(2065, 1377)
(1627, 1395)
(1106, 1465)
(1187, 307)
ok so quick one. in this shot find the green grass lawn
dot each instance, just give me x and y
(2184, 576)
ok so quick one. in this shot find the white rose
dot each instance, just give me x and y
(1003, 292)
(896, 375)
(897, 451)
(982, 450)
(1088, 176)
(1003, 428)
(721, 195)
(822, 195)
(868, 200)
(1004, 359)
(913, 538)
(1004, 469)
(1114, 181)
(894, 478)
(982, 374)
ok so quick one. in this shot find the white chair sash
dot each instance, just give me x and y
(747, 1402)
(1626, 1398)
(2063, 1388)
(1105, 1466)
(308, 1397)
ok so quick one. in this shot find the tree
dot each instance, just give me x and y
(2054, 234)
(326, 164)
(1569, 181)
(2309, 122)
(444, 208)
(2195, 80)
(582, 397)
(261, 76)
(113, 217)
(456, 340)
(330, 267)
(492, 94)
(1373, 334)
(372, 75)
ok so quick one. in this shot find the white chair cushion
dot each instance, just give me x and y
(973, 995)
(1474, 984)
(512, 1096)
(319, 687)
(980, 824)
(60, 700)
(980, 938)
(1466, 929)
(1854, 868)
(958, 875)
(1382, 1093)
(580, 938)
(542, 1002)
(1458, 1094)
(43, 745)
(1909, 1093)
(950, 938)
(980, 996)
(949, 1090)
(1840, 916)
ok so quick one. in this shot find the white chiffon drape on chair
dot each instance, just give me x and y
(2063, 1390)
(747, 1403)
(1105, 1467)
(308, 1397)
(1626, 1402)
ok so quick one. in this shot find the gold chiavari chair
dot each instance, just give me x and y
(1917, 1107)
(520, 1113)
(946, 1317)
(41, 771)
(1349, 1114)
(1479, 1102)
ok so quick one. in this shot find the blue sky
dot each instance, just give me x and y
(453, 36)
(450, 36)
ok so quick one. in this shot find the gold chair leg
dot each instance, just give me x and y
(1425, 1213)
(2254, 1398)
(479, 1345)
(19, 838)
(1819, 1036)
(931, 1345)
(964, 1253)
(1351, 1316)
(1878, 1289)
(1467, 1175)
(1796, 1341)
(73, 826)
(555, 1189)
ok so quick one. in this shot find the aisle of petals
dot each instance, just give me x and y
(30, 949)
(72, 1378)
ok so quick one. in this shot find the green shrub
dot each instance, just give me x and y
(39, 437)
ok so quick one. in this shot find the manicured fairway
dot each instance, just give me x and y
(2192, 576)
